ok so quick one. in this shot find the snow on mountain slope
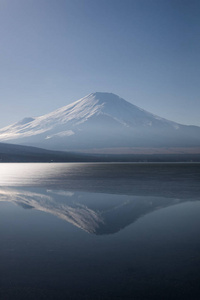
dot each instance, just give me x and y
(95, 121)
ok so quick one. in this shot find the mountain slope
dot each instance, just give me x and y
(100, 120)
(19, 153)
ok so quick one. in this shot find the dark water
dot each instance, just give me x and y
(100, 231)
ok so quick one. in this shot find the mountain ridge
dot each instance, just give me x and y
(100, 120)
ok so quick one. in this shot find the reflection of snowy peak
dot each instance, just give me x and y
(100, 120)
(94, 213)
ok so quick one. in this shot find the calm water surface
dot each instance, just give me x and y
(100, 231)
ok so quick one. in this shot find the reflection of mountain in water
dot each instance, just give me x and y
(99, 198)
(96, 213)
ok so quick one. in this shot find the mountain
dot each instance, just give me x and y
(19, 153)
(99, 121)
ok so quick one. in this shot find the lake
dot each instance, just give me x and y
(100, 231)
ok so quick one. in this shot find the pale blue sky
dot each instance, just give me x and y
(53, 52)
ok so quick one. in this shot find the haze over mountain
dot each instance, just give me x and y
(99, 121)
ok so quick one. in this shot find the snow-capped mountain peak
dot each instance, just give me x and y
(95, 121)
